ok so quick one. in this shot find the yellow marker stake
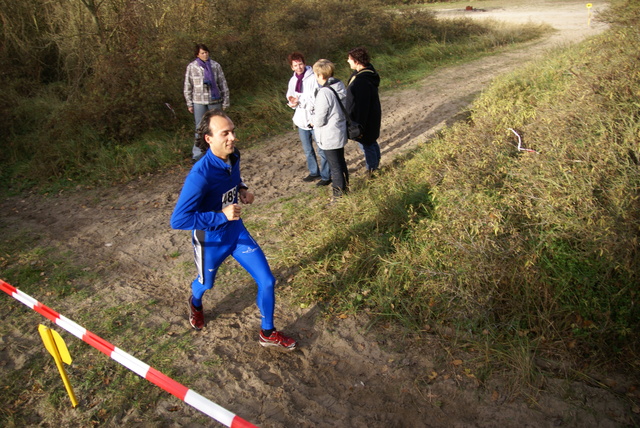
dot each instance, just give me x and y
(589, 5)
(58, 349)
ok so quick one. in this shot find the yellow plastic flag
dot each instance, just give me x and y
(58, 349)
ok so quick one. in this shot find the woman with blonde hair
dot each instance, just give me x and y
(330, 124)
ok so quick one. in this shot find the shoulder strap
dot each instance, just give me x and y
(346, 116)
(339, 101)
(365, 70)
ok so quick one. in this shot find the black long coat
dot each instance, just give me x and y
(363, 103)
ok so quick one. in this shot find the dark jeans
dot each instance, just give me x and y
(371, 155)
(339, 171)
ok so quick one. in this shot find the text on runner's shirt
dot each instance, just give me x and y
(230, 196)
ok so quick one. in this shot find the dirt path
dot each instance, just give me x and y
(342, 376)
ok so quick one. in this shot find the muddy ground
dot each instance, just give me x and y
(343, 375)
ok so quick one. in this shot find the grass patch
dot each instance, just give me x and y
(536, 251)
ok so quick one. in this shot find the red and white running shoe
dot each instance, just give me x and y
(278, 339)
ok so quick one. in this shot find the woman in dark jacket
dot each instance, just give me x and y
(363, 105)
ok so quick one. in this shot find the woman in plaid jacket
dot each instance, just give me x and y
(205, 88)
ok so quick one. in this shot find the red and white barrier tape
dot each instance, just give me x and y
(143, 370)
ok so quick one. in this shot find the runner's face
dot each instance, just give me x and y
(297, 66)
(221, 137)
(203, 55)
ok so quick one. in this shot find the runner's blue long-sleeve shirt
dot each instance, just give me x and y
(211, 185)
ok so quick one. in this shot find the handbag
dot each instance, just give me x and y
(354, 130)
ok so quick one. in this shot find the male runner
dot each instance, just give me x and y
(208, 205)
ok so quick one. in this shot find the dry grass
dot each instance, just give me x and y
(475, 234)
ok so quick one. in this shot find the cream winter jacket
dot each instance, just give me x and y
(302, 117)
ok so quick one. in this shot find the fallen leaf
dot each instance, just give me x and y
(456, 362)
